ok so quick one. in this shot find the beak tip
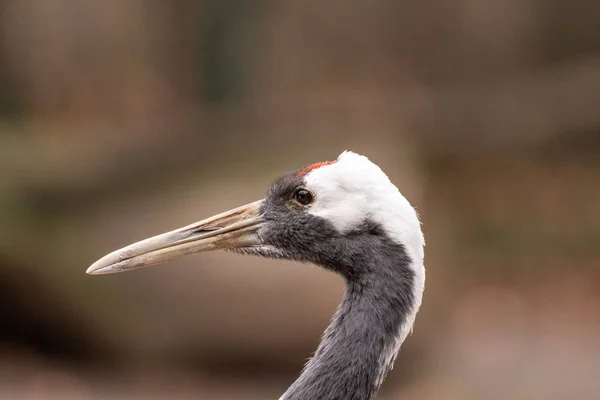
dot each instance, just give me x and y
(110, 266)
(94, 270)
(107, 264)
(100, 267)
(91, 271)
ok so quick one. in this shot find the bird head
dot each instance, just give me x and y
(337, 214)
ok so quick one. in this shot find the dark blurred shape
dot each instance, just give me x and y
(34, 320)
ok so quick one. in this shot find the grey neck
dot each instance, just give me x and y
(360, 344)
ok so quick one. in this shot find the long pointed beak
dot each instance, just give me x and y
(232, 229)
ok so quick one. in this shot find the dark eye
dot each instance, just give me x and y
(303, 196)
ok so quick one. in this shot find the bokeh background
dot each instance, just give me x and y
(123, 119)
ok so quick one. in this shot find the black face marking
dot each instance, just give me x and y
(301, 236)
(283, 189)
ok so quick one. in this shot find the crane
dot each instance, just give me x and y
(347, 217)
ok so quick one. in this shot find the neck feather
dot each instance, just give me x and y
(360, 345)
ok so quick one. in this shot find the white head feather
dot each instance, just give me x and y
(353, 189)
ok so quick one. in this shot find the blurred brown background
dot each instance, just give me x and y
(123, 119)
